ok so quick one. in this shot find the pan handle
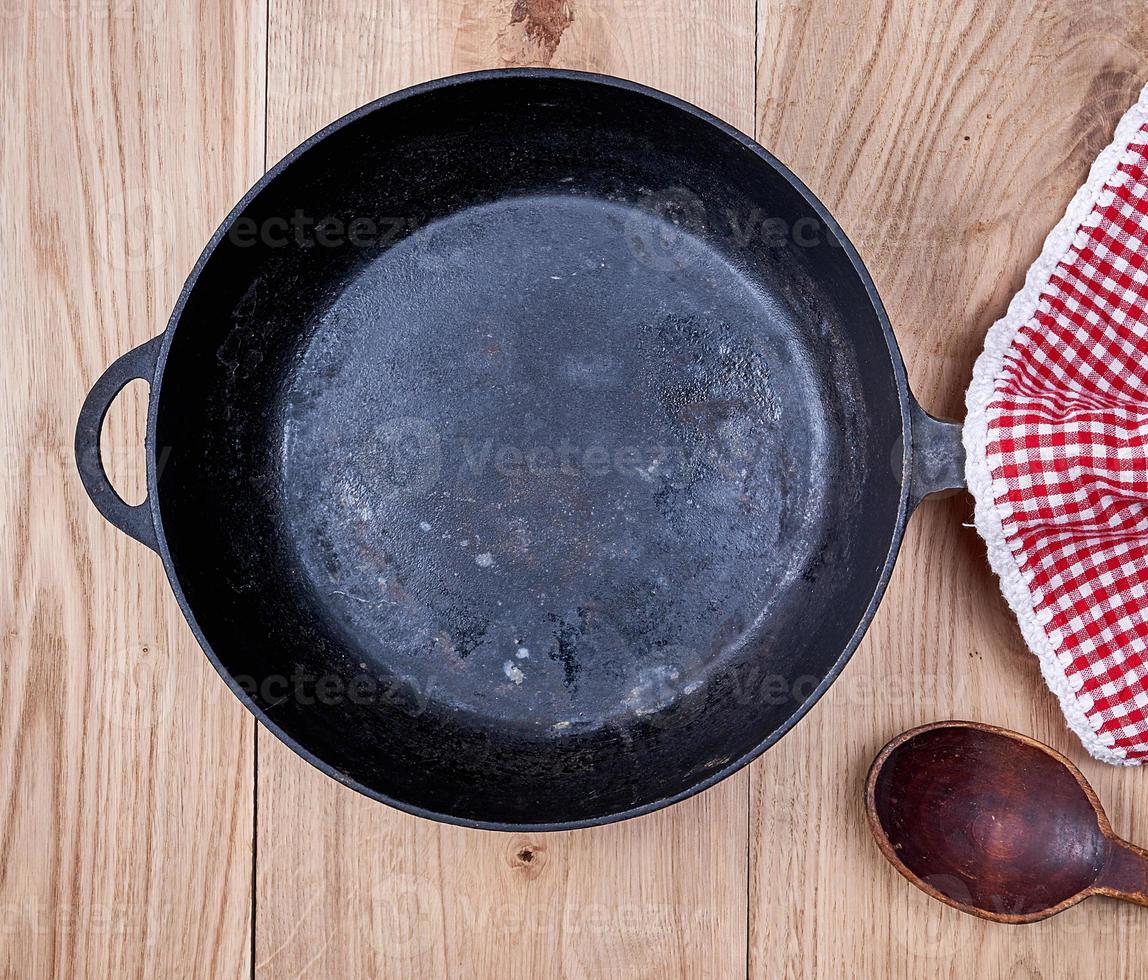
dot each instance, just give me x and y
(937, 457)
(134, 520)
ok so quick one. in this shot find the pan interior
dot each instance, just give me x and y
(549, 482)
(559, 491)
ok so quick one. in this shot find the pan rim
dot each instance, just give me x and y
(904, 399)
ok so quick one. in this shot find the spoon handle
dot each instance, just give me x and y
(1125, 873)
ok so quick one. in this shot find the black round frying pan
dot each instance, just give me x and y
(527, 449)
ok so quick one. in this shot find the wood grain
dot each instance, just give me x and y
(125, 813)
(947, 136)
(348, 888)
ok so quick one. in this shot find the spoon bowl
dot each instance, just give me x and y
(996, 824)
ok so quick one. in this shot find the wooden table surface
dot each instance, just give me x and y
(149, 829)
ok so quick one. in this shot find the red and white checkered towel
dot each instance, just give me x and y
(1057, 441)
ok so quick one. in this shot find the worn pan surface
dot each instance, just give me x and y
(528, 448)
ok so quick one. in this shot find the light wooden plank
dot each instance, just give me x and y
(350, 888)
(947, 136)
(128, 129)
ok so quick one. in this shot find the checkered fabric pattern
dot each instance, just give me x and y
(1064, 446)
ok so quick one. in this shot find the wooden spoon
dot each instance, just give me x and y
(996, 824)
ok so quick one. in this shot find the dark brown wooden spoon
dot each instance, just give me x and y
(996, 824)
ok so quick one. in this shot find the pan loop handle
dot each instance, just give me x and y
(134, 520)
